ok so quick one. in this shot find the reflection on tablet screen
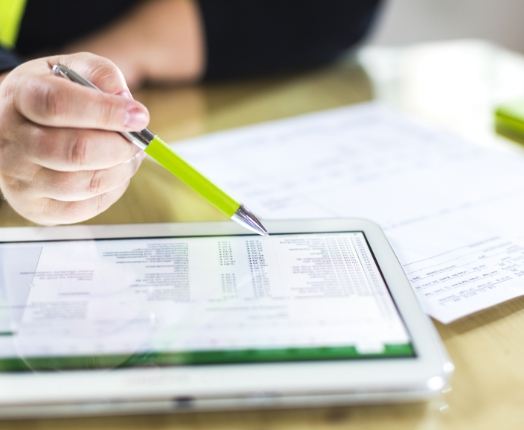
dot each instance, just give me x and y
(105, 303)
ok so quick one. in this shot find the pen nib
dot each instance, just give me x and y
(248, 220)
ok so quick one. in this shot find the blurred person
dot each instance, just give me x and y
(60, 160)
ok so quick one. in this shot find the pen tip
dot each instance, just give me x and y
(249, 220)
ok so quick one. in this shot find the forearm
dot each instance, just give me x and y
(160, 40)
(181, 40)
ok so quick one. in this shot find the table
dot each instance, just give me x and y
(453, 84)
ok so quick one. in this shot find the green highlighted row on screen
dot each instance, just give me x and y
(147, 359)
(157, 149)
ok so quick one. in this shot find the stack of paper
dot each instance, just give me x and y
(453, 211)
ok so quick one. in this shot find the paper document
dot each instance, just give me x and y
(453, 211)
(129, 296)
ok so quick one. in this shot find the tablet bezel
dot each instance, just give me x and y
(426, 374)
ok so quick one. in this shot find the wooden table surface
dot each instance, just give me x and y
(453, 85)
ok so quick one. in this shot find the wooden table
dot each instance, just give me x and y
(453, 84)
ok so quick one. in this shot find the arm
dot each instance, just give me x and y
(159, 40)
(183, 40)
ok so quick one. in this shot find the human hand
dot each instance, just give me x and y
(60, 159)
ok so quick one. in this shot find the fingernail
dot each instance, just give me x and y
(136, 118)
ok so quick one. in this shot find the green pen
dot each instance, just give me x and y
(158, 150)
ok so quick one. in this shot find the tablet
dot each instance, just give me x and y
(168, 317)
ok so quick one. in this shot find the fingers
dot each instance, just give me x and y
(55, 101)
(33, 182)
(53, 212)
(70, 150)
(77, 186)
(48, 211)
(76, 163)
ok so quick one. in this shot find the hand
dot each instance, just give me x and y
(60, 159)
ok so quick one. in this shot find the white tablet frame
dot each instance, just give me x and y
(236, 385)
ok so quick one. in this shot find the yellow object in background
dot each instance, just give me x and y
(509, 120)
(11, 12)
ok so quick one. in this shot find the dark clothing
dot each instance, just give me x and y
(243, 37)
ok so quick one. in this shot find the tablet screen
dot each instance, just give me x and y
(164, 301)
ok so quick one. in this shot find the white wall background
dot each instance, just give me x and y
(408, 21)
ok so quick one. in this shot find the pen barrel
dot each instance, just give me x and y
(166, 157)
